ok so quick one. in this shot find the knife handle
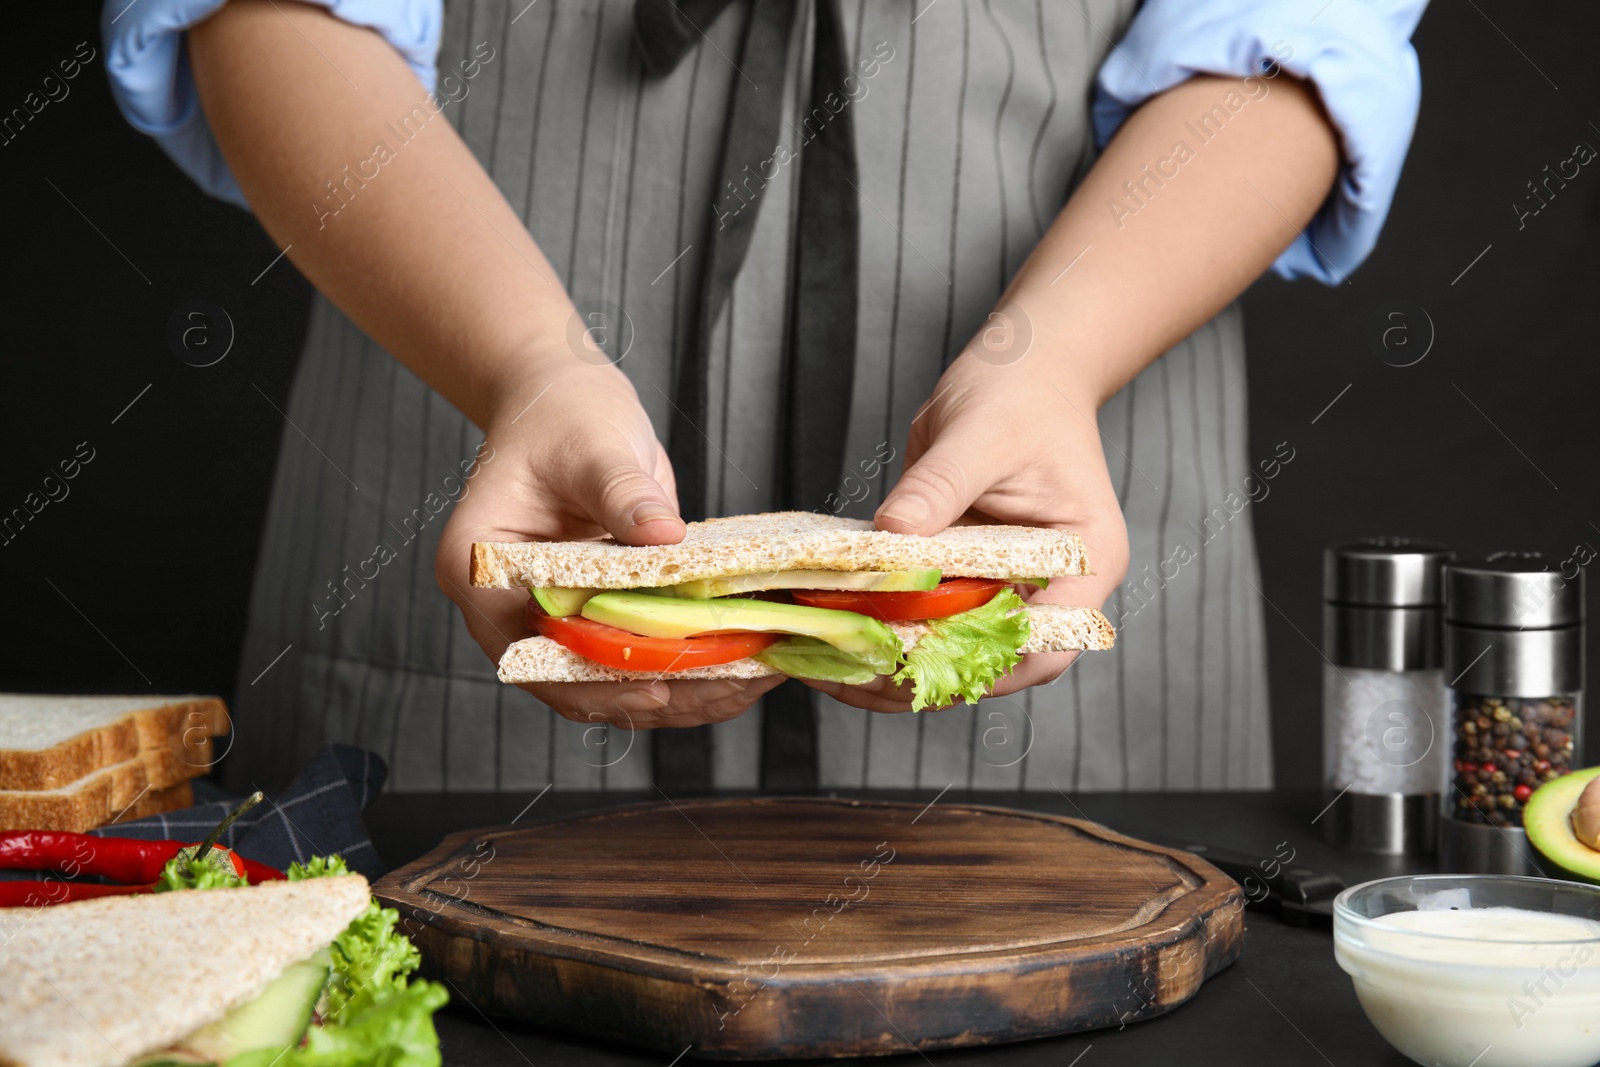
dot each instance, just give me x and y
(1299, 895)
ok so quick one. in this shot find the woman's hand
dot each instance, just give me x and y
(1006, 442)
(579, 461)
(1010, 434)
(435, 265)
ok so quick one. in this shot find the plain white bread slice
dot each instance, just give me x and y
(1051, 628)
(99, 983)
(97, 797)
(778, 541)
(48, 740)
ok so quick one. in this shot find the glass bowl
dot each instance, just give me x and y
(1452, 976)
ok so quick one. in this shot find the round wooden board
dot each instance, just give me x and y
(780, 927)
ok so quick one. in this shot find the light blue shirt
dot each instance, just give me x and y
(1356, 53)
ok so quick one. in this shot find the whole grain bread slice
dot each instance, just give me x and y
(779, 541)
(100, 796)
(48, 741)
(1051, 628)
(99, 983)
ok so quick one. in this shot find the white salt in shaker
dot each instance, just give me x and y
(1384, 722)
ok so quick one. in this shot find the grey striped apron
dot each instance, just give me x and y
(970, 133)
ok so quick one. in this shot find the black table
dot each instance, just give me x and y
(1285, 1001)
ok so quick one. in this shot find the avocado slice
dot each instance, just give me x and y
(277, 1018)
(561, 602)
(666, 616)
(1548, 821)
(875, 581)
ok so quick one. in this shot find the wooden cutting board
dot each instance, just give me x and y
(794, 927)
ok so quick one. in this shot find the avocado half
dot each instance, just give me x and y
(1548, 820)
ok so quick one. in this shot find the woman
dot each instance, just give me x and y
(958, 259)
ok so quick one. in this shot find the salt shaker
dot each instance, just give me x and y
(1514, 655)
(1383, 694)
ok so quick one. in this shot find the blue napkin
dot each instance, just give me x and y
(317, 814)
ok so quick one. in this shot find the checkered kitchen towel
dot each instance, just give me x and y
(317, 814)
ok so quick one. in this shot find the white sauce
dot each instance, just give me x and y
(1519, 993)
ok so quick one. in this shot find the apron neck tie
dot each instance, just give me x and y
(820, 338)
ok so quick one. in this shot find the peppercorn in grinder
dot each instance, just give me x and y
(1514, 654)
(1383, 694)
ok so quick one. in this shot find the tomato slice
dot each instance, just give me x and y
(624, 651)
(950, 597)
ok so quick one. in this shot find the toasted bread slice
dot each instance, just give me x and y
(49, 741)
(100, 796)
(780, 541)
(157, 802)
(100, 983)
(1052, 628)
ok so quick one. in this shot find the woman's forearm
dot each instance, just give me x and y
(382, 206)
(1190, 202)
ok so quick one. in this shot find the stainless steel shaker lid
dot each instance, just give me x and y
(1385, 572)
(1514, 590)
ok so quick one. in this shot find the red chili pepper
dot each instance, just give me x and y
(122, 859)
(54, 891)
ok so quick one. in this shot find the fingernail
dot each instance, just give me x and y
(652, 511)
(640, 702)
(721, 689)
(908, 510)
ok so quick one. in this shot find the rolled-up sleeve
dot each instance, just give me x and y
(1358, 55)
(147, 60)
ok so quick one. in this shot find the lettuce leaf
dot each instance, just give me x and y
(964, 655)
(807, 657)
(395, 1031)
(319, 867)
(370, 959)
(370, 962)
(214, 872)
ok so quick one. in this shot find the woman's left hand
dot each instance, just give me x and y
(1006, 440)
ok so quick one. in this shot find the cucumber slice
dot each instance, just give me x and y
(874, 581)
(276, 1019)
(562, 602)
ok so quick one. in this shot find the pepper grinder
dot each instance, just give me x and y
(1514, 654)
(1383, 694)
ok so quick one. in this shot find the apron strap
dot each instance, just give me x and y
(820, 359)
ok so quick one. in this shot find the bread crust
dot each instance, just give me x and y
(148, 783)
(176, 732)
(778, 541)
(1052, 628)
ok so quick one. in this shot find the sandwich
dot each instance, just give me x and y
(795, 593)
(72, 762)
(307, 972)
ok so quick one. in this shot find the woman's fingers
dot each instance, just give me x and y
(938, 487)
(626, 499)
(882, 695)
(653, 705)
(1036, 668)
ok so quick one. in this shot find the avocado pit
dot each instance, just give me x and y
(1586, 815)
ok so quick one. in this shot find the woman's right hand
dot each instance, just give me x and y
(569, 456)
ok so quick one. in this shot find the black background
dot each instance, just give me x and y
(141, 574)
